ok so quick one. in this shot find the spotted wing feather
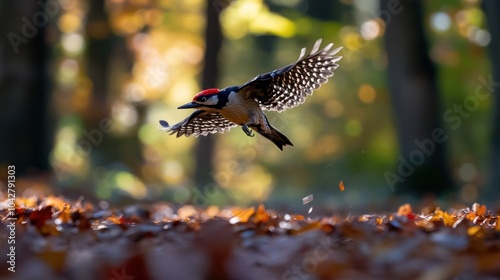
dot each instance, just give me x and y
(289, 86)
(199, 123)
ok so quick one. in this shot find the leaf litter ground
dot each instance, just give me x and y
(61, 239)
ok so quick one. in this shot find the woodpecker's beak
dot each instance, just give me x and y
(189, 105)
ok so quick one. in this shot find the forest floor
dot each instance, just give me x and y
(55, 238)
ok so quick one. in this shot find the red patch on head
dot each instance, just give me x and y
(208, 91)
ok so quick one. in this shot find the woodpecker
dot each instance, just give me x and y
(219, 110)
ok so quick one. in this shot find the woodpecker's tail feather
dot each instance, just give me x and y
(276, 137)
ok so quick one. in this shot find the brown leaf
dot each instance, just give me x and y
(42, 220)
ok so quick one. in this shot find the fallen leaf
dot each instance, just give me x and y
(473, 230)
(404, 210)
(242, 215)
(447, 219)
(307, 199)
(261, 216)
(479, 209)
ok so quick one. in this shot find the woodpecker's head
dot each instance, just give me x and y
(205, 98)
(212, 98)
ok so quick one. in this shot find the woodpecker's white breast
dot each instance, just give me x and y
(241, 110)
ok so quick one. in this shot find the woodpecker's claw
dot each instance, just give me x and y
(247, 131)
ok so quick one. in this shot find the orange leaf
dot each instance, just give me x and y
(242, 215)
(114, 219)
(448, 219)
(341, 186)
(64, 214)
(54, 201)
(470, 216)
(473, 230)
(363, 218)
(299, 217)
(261, 215)
(404, 210)
(307, 227)
(480, 209)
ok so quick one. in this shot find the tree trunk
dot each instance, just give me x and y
(412, 83)
(98, 58)
(205, 146)
(26, 130)
(104, 49)
(492, 8)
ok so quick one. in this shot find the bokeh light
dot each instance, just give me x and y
(253, 16)
(467, 172)
(333, 108)
(353, 128)
(370, 30)
(440, 21)
(367, 93)
(469, 193)
(69, 23)
(73, 43)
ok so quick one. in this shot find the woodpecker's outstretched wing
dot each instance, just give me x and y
(289, 86)
(199, 123)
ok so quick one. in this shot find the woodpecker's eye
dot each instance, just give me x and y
(203, 99)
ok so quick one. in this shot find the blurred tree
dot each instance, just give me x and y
(491, 9)
(422, 168)
(104, 49)
(213, 40)
(24, 102)
(98, 55)
(327, 10)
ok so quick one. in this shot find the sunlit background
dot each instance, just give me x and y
(113, 150)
